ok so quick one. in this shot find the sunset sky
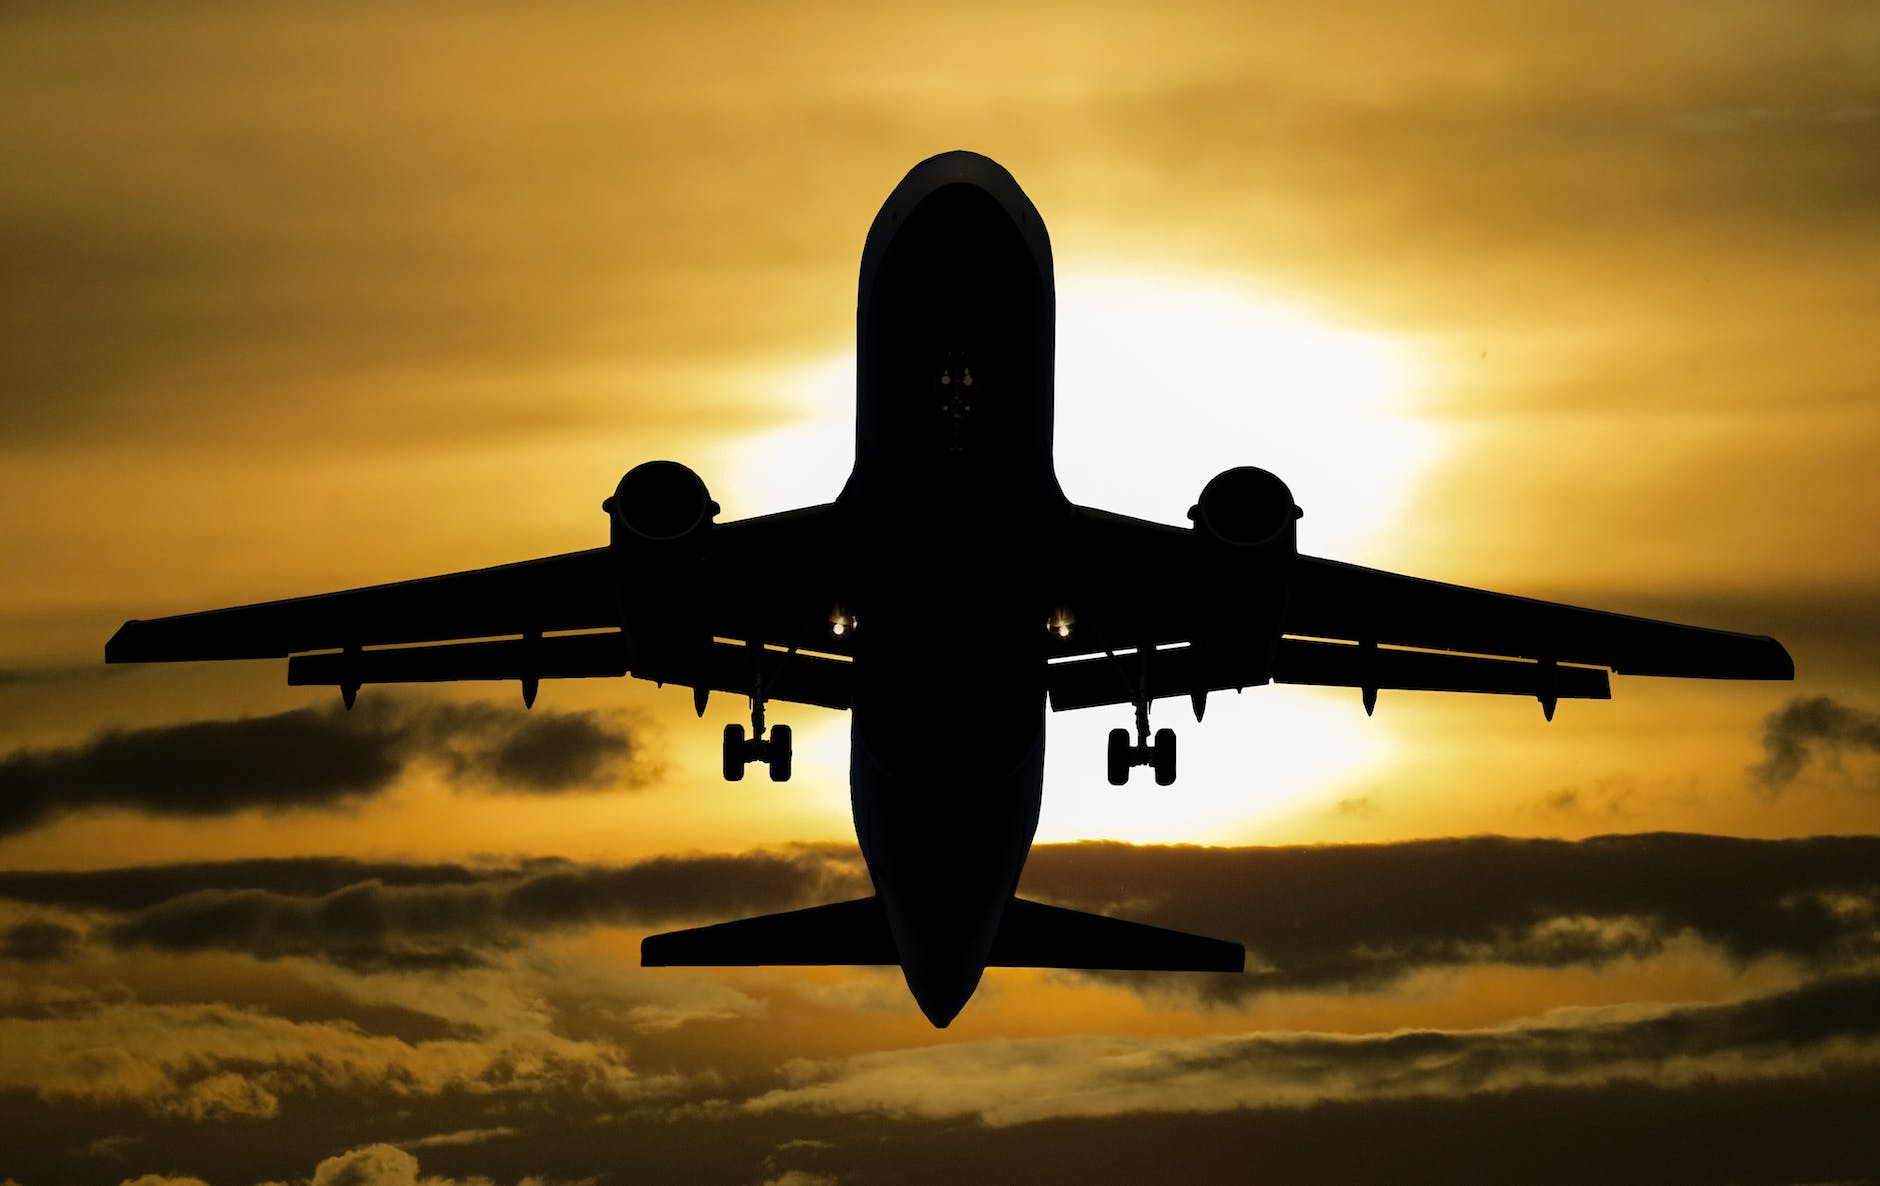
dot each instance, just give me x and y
(1571, 300)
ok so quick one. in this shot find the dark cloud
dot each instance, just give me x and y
(1364, 915)
(1003, 1082)
(37, 941)
(390, 915)
(1811, 726)
(138, 886)
(1334, 916)
(310, 758)
(1771, 1091)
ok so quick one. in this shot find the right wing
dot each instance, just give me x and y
(1159, 595)
(1335, 600)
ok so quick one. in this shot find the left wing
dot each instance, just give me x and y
(573, 591)
(1176, 609)
(556, 617)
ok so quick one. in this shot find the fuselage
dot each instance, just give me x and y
(952, 497)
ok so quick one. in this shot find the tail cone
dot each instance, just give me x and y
(942, 992)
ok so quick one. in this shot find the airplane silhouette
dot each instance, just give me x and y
(951, 581)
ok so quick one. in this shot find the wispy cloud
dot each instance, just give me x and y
(316, 758)
(1024, 1081)
(1809, 729)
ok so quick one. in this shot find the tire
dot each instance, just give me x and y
(1119, 757)
(1164, 757)
(780, 753)
(734, 753)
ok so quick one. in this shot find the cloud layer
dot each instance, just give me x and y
(1312, 917)
(315, 758)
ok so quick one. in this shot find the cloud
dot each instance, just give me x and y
(390, 1165)
(1023, 1081)
(314, 758)
(1811, 726)
(37, 941)
(462, 1136)
(365, 915)
(209, 1061)
(369, 1165)
(1360, 916)
(1323, 916)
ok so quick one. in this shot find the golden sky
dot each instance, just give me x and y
(1567, 300)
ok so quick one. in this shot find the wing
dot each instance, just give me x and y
(556, 617)
(1334, 600)
(1188, 623)
(574, 591)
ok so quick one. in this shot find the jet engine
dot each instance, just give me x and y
(659, 502)
(659, 523)
(1247, 517)
(1244, 507)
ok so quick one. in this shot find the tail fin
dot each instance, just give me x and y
(1032, 935)
(840, 933)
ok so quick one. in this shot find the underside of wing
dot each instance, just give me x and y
(1162, 611)
(1343, 601)
(573, 591)
(660, 614)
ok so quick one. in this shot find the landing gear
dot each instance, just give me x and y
(1160, 755)
(773, 751)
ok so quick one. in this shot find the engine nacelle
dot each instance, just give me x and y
(660, 502)
(1245, 507)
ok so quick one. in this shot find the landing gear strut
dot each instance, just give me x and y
(773, 750)
(1159, 754)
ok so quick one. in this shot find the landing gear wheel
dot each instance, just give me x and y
(734, 753)
(1164, 757)
(779, 753)
(1119, 757)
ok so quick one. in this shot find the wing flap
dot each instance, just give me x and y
(1086, 683)
(798, 678)
(566, 656)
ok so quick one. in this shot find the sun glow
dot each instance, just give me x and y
(1163, 381)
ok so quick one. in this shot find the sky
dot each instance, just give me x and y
(1567, 300)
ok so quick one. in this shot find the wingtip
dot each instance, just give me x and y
(1784, 663)
(117, 645)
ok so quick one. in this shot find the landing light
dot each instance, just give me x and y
(1059, 623)
(841, 623)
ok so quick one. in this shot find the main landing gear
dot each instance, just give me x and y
(1159, 754)
(774, 750)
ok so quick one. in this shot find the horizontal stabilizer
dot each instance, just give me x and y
(840, 933)
(1034, 935)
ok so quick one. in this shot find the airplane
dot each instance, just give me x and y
(946, 596)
